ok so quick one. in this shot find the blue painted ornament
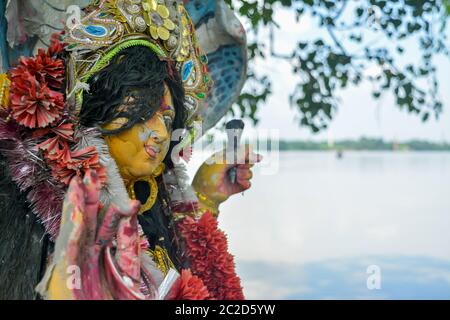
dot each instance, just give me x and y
(96, 31)
(187, 69)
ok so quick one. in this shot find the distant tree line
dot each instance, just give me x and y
(365, 144)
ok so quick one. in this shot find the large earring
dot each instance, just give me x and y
(153, 185)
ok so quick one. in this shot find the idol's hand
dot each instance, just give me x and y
(213, 180)
(85, 265)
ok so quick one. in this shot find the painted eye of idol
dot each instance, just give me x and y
(157, 130)
(166, 114)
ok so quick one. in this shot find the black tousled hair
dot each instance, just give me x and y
(136, 73)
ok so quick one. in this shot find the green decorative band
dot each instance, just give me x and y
(100, 64)
(117, 49)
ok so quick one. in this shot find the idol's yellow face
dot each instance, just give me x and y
(140, 150)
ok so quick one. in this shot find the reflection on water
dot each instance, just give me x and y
(305, 232)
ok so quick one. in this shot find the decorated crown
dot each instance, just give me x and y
(164, 26)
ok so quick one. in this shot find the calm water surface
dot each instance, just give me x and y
(311, 230)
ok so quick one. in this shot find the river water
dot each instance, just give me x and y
(372, 225)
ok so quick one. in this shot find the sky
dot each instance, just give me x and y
(359, 114)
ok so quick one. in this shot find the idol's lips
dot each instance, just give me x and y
(152, 151)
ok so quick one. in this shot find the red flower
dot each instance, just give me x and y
(188, 287)
(43, 67)
(51, 70)
(56, 149)
(34, 104)
(80, 161)
(64, 130)
(56, 47)
(207, 251)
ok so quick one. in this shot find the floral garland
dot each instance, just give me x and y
(36, 102)
(207, 251)
(38, 135)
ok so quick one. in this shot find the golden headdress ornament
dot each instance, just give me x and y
(164, 26)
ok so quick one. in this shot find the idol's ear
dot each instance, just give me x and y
(223, 39)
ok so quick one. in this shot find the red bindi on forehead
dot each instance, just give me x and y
(165, 106)
(166, 101)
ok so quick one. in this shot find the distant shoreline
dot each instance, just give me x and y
(363, 144)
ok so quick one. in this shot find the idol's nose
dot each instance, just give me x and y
(160, 135)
